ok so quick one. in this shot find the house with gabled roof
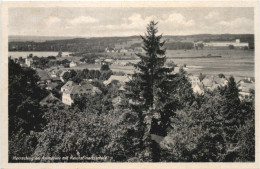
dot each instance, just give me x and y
(194, 79)
(54, 72)
(221, 81)
(28, 61)
(213, 82)
(198, 88)
(121, 79)
(49, 99)
(208, 83)
(72, 90)
(73, 64)
(55, 79)
(245, 86)
(44, 77)
(51, 86)
(196, 85)
(67, 86)
(107, 62)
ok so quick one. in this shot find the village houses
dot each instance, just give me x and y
(213, 82)
(48, 99)
(208, 83)
(121, 79)
(196, 84)
(72, 90)
(245, 87)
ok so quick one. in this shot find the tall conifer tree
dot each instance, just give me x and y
(231, 110)
(149, 90)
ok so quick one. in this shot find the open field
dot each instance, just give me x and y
(232, 62)
(239, 63)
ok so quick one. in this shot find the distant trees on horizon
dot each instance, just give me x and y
(156, 117)
(98, 45)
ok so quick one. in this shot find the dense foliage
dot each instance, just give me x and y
(153, 117)
(154, 92)
(81, 75)
(25, 115)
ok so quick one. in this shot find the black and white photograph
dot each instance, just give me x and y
(131, 84)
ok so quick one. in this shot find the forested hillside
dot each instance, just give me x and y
(99, 44)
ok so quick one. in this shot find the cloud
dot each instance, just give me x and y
(212, 15)
(238, 22)
(176, 24)
(238, 25)
(178, 20)
(51, 20)
(82, 20)
(136, 23)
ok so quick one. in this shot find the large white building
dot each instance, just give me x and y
(235, 43)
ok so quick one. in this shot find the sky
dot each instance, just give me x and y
(107, 22)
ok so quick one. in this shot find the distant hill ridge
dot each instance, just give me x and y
(14, 38)
(99, 44)
(18, 38)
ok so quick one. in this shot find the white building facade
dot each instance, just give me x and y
(235, 43)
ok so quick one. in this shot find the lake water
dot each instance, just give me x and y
(39, 54)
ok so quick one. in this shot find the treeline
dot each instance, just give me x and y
(99, 44)
(179, 45)
(70, 45)
(47, 62)
(83, 46)
(79, 75)
(170, 45)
